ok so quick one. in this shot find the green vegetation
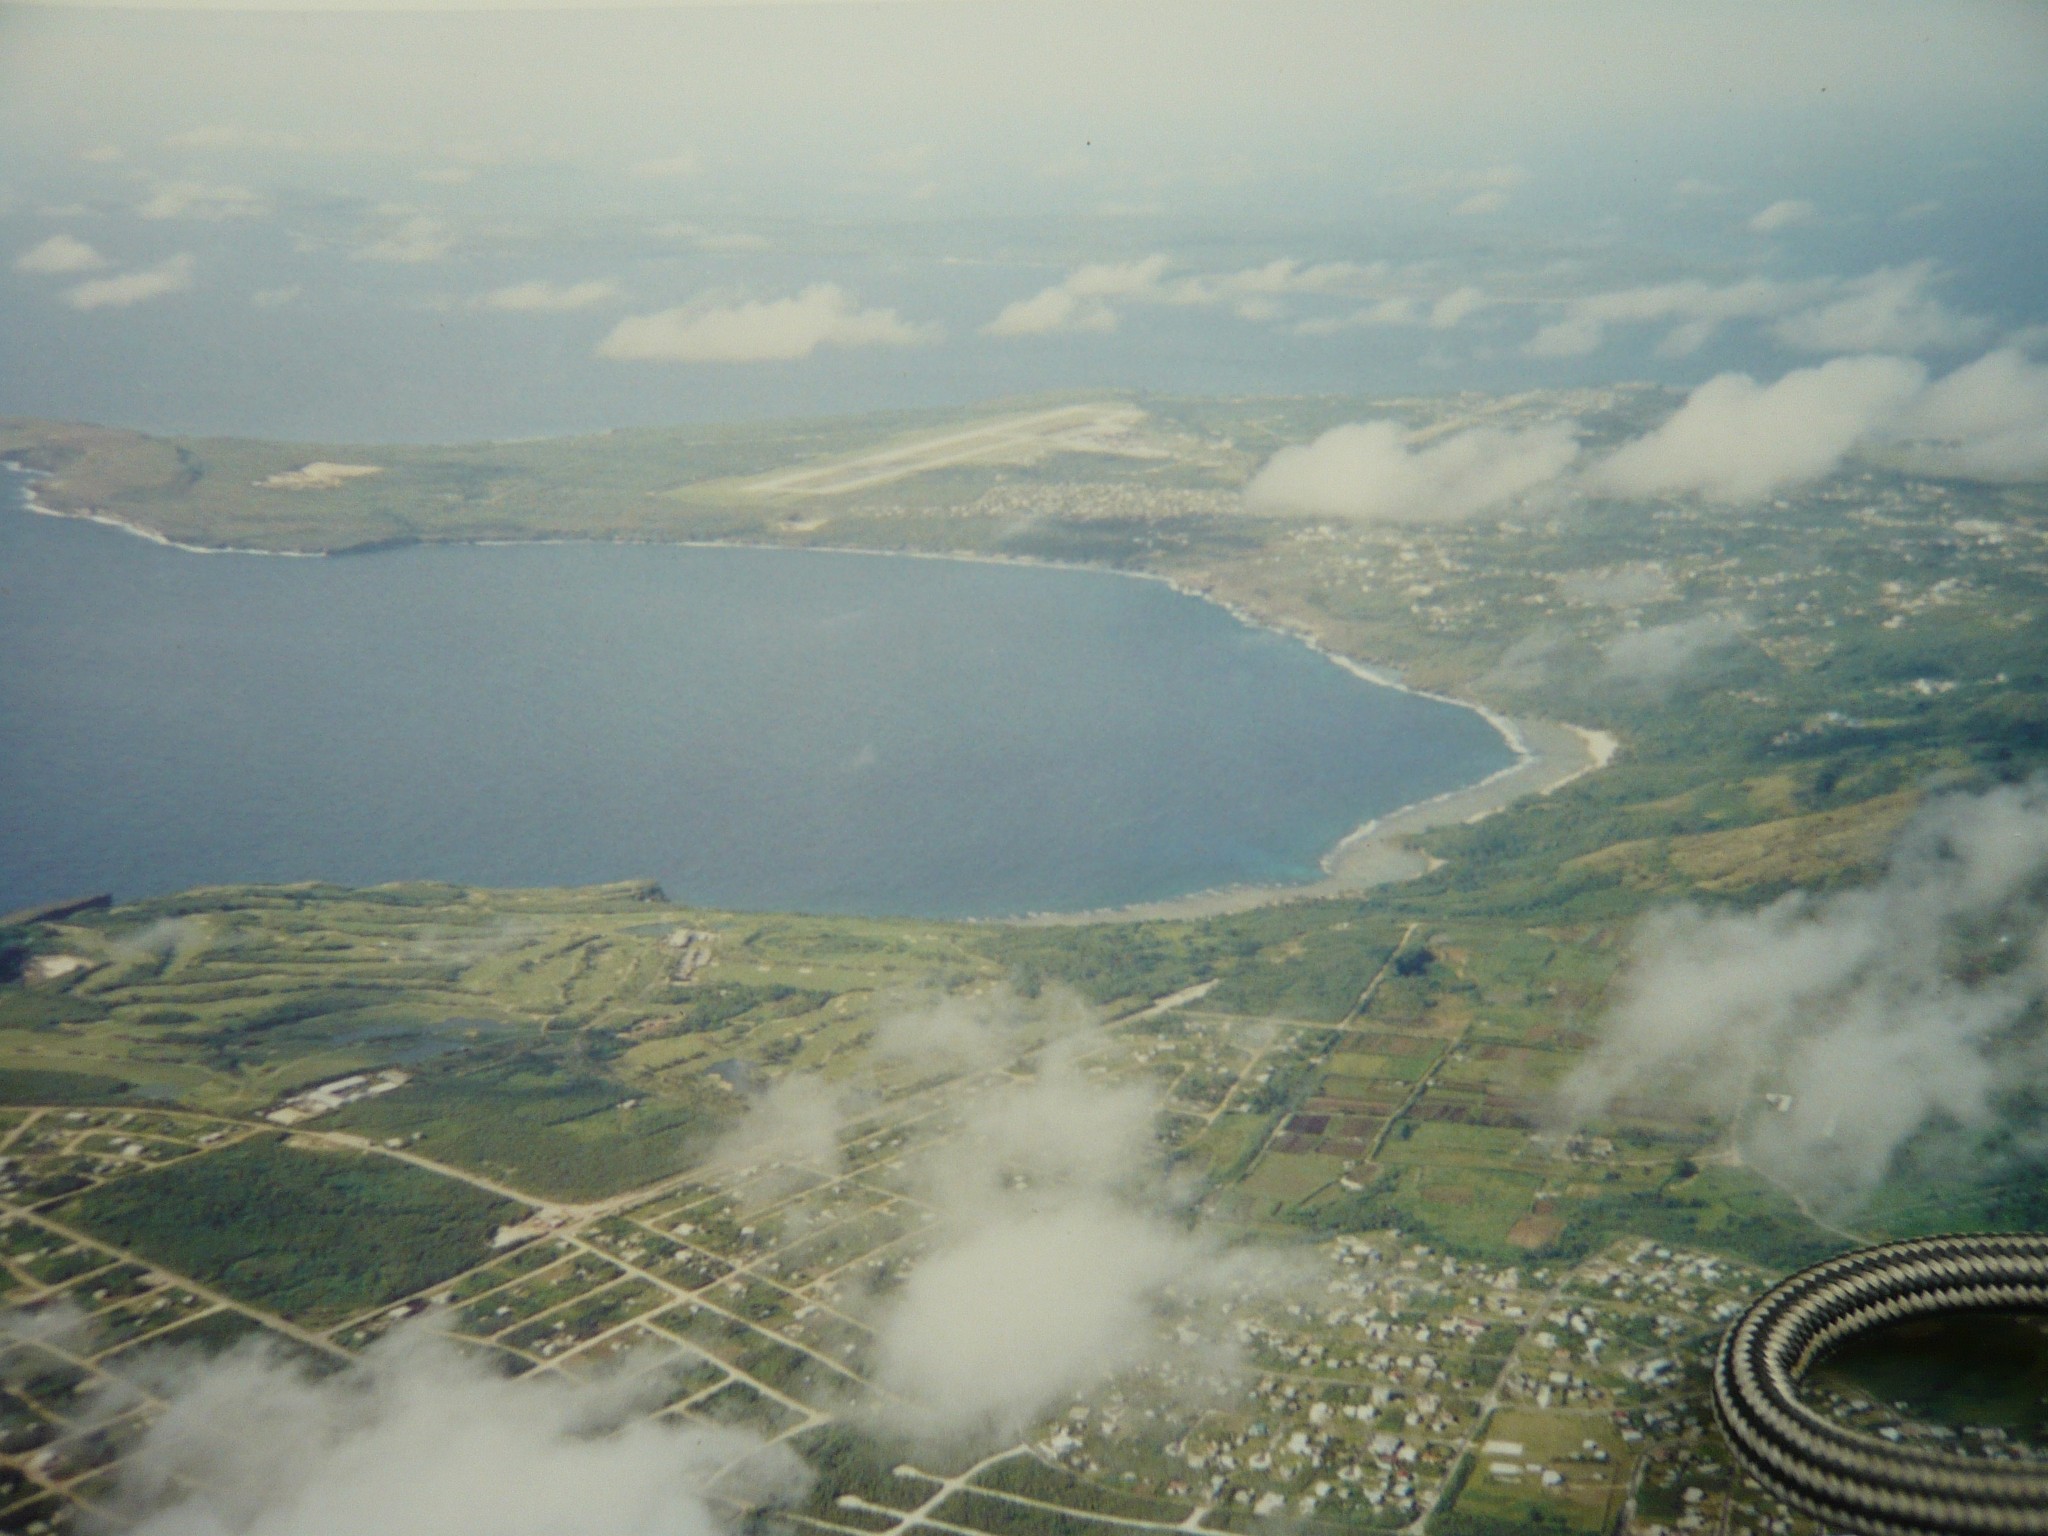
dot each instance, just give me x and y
(1005, 1517)
(312, 1235)
(1365, 1078)
(32, 1086)
(1031, 1478)
(848, 1462)
(539, 1125)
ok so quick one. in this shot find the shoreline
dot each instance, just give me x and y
(31, 503)
(1548, 754)
(1376, 853)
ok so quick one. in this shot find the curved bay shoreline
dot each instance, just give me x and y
(1548, 754)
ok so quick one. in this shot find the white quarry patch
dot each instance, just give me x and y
(320, 475)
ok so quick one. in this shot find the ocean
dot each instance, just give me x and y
(755, 729)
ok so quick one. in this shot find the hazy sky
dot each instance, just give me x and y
(505, 220)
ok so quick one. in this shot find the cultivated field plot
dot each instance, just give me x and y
(751, 1285)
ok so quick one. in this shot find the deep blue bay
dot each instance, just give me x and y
(764, 729)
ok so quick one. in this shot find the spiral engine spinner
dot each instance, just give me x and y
(1855, 1481)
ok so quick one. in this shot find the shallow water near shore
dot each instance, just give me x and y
(756, 729)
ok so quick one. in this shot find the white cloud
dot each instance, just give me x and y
(795, 1121)
(276, 298)
(1455, 307)
(1735, 439)
(412, 241)
(775, 330)
(1698, 307)
(1529, 662)
(1783, 214)
(1080, 301)
(1470, 192)
(232, 136)
(667, 168)
(1395, 311)
(1087, 299)
(170, 276)
(548, 298)
(721, 241)
(1283, 275)
(1021, 1313)
(1653, 659)
(1875, 1013)
(1255, 292)
(1632, 584)
(1888, 310)
(1445, 312)
(982, 1029)
(418, 1440)
(59, 254)
(1048, 1275)
(1986, 421)
(1368, 470)
(201, 200)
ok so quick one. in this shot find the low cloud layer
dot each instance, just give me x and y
(1368, 471)
(202, 200)
(417, 1440)
(796, 1121)
(1026, 1309)
(1061, 1242)
(119, 292)
(1893, 309)
(1083, 300)
(1628, 585)
(667, 168)
(1889, 310)
(410, 241)
(1654, 659)
(1055, 1253)
(1868, 1016)
(60, 255)
(1694, 309)
(1985, 421)
(548, 298)
(1732, 440)
(1735, 439)
(1786, 213)
(167, 939)
(962, 1032)
(1093, 297)
(757, 331)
